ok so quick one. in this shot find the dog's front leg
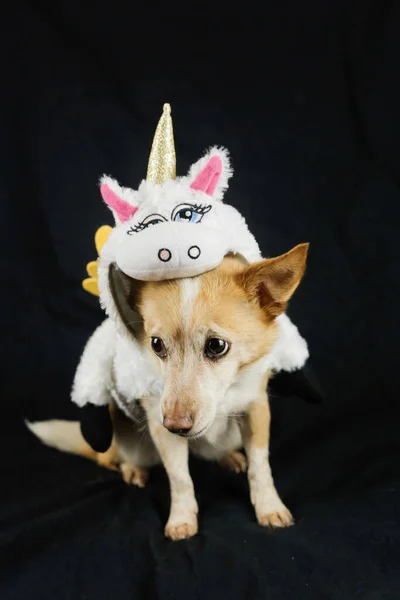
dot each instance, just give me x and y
(174, 452)
(269, 508)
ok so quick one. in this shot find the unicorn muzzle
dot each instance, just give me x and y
(171, 250)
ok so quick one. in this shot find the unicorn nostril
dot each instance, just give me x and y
(194, 252)
(164, 254)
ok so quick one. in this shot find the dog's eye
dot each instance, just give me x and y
(158, 347)
(215, 348)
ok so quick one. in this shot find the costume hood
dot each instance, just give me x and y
(173, 227)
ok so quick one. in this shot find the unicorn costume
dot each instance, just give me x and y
(169, 228)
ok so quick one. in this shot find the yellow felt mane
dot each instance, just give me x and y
(90, 284)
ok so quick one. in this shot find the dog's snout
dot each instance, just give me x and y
(164, 254)
(194, 252)
(180, 424)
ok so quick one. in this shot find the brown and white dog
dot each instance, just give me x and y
(209, 336)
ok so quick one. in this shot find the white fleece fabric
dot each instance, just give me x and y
(171, 218)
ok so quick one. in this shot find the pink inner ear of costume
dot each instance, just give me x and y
(123, 209)
(206, 181)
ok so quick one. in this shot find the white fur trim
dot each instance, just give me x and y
(93, 375)
(290, 351)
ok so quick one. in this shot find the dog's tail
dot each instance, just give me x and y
(67, 437)
(63, 435)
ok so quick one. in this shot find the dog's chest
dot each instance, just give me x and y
(224, 436)
(245, 389)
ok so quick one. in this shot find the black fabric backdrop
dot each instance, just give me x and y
(306, 98)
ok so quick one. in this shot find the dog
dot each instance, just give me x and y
(209, 338)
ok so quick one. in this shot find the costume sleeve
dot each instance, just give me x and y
(302, 383)
(92, 384)
(289, 361)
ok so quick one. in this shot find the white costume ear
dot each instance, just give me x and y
(211, 173)
(113, 195)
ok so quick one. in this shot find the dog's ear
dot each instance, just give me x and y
(273, 281)
(124, 291)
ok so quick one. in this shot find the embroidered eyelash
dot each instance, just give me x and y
(145, 223)
(136, 228)
(202, 210)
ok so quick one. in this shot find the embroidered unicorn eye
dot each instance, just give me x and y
(147, 222)
(189, 213)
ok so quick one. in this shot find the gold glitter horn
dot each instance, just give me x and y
(162, 161)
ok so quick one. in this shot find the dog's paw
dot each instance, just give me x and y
(107, 463)
(236, 461)
(181, 530)
(133, 475)
(108, 459)
(275, 519)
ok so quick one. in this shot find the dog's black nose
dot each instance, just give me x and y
(194, 252)
(164, 254)
(180, 424)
